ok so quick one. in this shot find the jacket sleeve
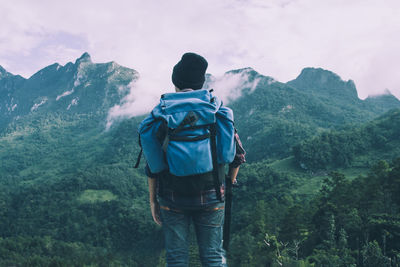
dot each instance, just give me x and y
(151, 145)
(240, 156)
(149, 173)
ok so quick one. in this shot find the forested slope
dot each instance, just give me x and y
(358, 145)
(274, 117)
(69, 195)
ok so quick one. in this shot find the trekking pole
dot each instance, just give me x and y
(228, 211)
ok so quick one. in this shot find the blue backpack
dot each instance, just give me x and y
(188, 133)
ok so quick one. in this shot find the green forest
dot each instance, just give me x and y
(91, 208)
(320, 187)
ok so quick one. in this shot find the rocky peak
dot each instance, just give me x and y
(251, 75)
(3, 72)
(248, 71)
(46, 72)
(85, 58)
(324, 82)
(385, 100)
(318, 75)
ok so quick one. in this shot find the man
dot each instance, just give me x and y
(186, 141)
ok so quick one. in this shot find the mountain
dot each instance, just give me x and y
(82, 87)
(8, 83)
(272, 117)
(69, 195)
(383, 102)
(329, 87)
(324, 83)
(60, 171)
(54, 121)
(356, 146)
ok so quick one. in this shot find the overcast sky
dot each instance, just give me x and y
(357, 39)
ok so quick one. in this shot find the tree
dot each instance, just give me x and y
(373, 257)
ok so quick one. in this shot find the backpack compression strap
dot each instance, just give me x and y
(213, 140)
(190, 119)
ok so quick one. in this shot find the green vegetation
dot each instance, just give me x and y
(358, 146)
(276, 116)
(320, 187)
(347, 223)
(92, 196)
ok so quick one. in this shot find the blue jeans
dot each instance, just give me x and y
(208, 224)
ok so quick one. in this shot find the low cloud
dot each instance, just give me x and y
(144, 94)
(146, 91)
(230, 86)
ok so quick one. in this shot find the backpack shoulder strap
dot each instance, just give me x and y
(213, 141)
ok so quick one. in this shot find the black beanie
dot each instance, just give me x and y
(190, 72)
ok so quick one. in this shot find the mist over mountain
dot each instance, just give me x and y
(68, 184)
(383, 102)
(86, 87)
(272, 116)
(283, 114)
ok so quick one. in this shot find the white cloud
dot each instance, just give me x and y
(74, 102)
(357, 39)
(230, 86)
(145, 94)
(66, 93)
(37, 105)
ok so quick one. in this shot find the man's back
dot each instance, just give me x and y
(186, 140)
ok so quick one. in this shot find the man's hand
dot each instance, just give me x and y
(233, 172)
(154, 206)
(155, 212)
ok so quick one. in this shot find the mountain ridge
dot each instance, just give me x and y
(316, 75)
(56, 88)
(66, 184)
(315, 101)
(325, 83)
